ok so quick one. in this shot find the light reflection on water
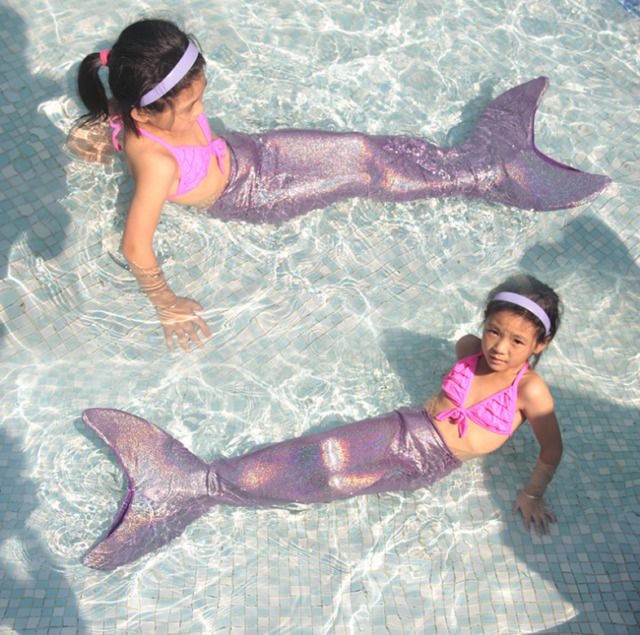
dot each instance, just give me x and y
(342, 314)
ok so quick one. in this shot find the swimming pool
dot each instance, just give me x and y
(331, 317)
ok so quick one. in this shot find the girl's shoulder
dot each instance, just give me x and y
(533, 392)
(147, 157)
(468, 345)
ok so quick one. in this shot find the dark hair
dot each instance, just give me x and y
(141, 58)
(543, 295)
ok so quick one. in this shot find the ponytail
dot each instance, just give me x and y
(142, 56)
(91, 89)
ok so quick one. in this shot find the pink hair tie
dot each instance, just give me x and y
(104, 57)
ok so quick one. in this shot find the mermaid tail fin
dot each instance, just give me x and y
(503, 135)
(169, 487)
(166, 488)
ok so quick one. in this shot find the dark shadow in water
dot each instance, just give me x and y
(591, 248)
(470, 113)
(421, 361)
(17, 494)
(598, 577)
(32, 159)
(600, 258)
(631, 5)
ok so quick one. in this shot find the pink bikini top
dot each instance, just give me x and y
(495, 413)
(193, 161)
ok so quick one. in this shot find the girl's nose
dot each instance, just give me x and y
(500, 344)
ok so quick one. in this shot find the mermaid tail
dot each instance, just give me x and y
(284, 173)
(528, 179)
(168, 487)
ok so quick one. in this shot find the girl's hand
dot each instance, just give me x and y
(181, 320)
(92, 142)
(534, 509)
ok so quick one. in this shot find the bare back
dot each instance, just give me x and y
(93, 142)
(141, 151)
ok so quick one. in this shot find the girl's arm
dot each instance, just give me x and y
(539, 410)
(153, 180)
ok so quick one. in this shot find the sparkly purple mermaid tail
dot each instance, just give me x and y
(169, 487)
(284, 173)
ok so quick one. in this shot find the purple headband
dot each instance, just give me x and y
(525, 303)
(174, 76)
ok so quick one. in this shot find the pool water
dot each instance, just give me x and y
(332, 317)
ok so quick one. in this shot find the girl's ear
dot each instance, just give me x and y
(542, 345)
(140, 115)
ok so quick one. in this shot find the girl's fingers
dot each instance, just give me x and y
(168, 336)
(191, 331)
(204, 327)
(186, 331)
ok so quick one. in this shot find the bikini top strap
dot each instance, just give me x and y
(218, 147)
(153, 137)
(521, 372)
(204, 126)
(116, 124)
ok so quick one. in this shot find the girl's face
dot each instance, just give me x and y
(508, 340)
(187, 107)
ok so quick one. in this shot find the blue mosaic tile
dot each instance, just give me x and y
(304, 317)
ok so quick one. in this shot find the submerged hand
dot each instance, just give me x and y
(181, 320)
(92, 142)
(534, 509)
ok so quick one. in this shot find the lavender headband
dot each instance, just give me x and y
(173, 77)
(525, 303)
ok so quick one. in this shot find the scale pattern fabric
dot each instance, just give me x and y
(284, 173)
(168, 487)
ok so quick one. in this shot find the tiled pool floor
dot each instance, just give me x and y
(335, 316)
